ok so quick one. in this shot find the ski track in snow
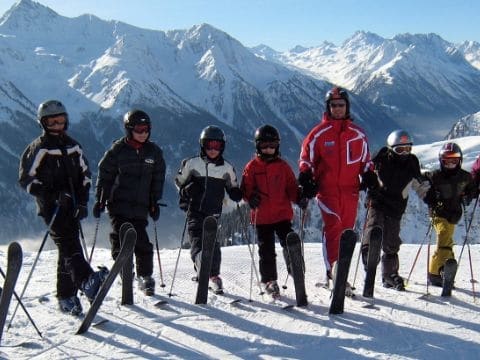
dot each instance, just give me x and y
(400, 326)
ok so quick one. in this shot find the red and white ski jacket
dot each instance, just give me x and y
(337, 153)
(276, 184)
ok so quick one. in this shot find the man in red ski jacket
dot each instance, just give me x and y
(333, 159)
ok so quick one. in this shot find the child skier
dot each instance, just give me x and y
(130, 182)
(450, 187)
(54, 169)
(269, 185)
(202, 181)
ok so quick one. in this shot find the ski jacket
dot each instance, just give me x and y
(275, 182)
(206, 181)
(336, 151)
(396, 173)
(51, 165)
(448, 189)
(131, 180)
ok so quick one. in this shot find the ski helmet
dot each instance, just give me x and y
(337, 93)
(51, 108)
(400, 142)
(267, 135)
(210, 133)
(136, 117)
(450, 151)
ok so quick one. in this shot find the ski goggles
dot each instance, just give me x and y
(57, 120)
(141, 129)
(451, 162)
(402, 149)
(337, 104)
(213, 145)
(268, 145)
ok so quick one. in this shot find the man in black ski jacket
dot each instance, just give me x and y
(54, 169)
(202, 181)
(130, 182)
(396, 170)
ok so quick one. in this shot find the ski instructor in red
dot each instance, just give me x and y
(333, 159)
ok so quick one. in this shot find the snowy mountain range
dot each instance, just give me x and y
(188, 79)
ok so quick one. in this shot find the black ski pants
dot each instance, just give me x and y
(391, 239)
(72, 268)
(143, 246)
(195, 233)
(266, 248)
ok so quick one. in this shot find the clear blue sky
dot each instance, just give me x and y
(282, 24)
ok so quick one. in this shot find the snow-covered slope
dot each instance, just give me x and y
(466, 126)
(400, 326)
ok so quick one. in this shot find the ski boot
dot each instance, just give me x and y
(92, 284)
(70, 305)
(147, 285)
(216, 285)
(349, 290)
(272, 289)
(393, 281)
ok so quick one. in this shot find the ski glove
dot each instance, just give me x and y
(188, 191)
(154, 212)
(305, 179)
(254, 200)
(303, 203)
(369, 181)
(98, 208)
(235, 194)
(81, 212)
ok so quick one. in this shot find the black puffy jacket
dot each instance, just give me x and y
(46, 166)
(395, 174)
(131, 180)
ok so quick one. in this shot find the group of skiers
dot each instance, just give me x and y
(335, 164)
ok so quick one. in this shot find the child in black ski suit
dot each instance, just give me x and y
(202, 181)
(130, 182)
(54, 169)
(396, 170)
(452, 188)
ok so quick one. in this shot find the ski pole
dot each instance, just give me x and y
(253, 267)
(84, 243)
(467, 228)
(418, 252)
(162, 284)
(360, 251)
(94, 240)
(428, 262)
(35, 262)
(23, 307)
(471, 273)
(178, 257)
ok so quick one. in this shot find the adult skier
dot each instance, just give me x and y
(202, 181)
(130, 182)
(334, 156)
(450, 187)
(397, 170)
(269, 185)
(54, 169)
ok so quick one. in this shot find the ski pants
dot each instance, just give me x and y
(390, 240)
(266, 248)
(195, 232)
(72, 268)
(143, 246)
(444, 250)
(339, 211)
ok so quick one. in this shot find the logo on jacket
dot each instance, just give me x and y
(149, 161)
(329, 143)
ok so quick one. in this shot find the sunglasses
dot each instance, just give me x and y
(451, 161)
(339, 105)
(402, 149)
(268, 145)
(55, 121)
(213, 145)
(141, 129)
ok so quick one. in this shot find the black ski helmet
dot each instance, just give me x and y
(267, 133)
(450, 150)
(51, 108)
(136, 117)
(337, 93)
(211, 132)
(399, 139)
